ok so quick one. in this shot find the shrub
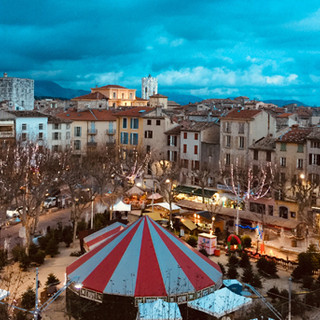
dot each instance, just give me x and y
(17, 252)
(52, 247)
(273, 293)
(267, 267)
(256, 281)
(52, 280)
(307, 281)
(204, 252)
(297, 273)
(67, 235)
(39, 257)
(232, 272)
(223, 270)
(24, 262)
(192, 241)
(246, 241)
(244, 261)
(28, 299)
(233, 260)
(247, 275)
(3, 259)
(4, 315)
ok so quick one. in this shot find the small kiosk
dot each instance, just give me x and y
(208, 242)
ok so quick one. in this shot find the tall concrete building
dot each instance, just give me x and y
(149, 87)
(17, 92)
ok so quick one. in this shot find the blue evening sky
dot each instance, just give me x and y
(208, 48)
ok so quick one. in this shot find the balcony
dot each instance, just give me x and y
(92, 131)
(6, 134)
(111, 131)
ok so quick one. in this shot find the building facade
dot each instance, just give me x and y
(19, 93)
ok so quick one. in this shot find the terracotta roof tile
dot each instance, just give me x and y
(88, 115)
(110, 86)
(284, 115)
(91, 96)
(242, 114)
(295, 135)
(134, 112)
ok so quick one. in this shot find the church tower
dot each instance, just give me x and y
(149, 87)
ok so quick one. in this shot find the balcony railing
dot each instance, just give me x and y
(6, 134)
(111, 131)
(92, 131)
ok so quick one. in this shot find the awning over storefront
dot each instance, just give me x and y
(188, 224)
(184, 189)
(195, 191)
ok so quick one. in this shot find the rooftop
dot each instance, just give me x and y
(295, 135)
(88, 115)
(28, 114)
(242, 114)
(134, 112)
(91, 96)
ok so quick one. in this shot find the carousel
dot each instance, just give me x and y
(139, 264)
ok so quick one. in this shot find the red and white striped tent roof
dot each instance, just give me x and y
(145, 260)
(96, 238)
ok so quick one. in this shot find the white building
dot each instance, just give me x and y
(59, 134)
(18, 92)
(149, 87)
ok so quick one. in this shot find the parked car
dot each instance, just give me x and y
(14, 213)
(53, 192)
(50, 202)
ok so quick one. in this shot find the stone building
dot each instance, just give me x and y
(149, 87)
(19, 93)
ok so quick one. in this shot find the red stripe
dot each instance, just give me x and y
(213, 264)
(103, 236)
(196, 276)
(149, 278)
(98, 279)
(75, 265)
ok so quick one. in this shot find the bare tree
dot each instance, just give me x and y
(26, 172)
(246, 183)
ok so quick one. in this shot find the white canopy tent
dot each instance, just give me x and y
(158, 310)
(3, 294)
(121, 206)
(166, 206)
(219, 303)
(135, 191)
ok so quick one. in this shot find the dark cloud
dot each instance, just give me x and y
(211, 47)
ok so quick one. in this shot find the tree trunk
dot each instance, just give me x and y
(75, 227)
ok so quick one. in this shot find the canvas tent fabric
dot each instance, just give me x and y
(135, 191)
(158, 310)
(154, 216)
(188, 224)
(3, 294)
(155, 196)
(220, 303)
(166, 206)
(121, 206)
(96, 238)
(145, 260)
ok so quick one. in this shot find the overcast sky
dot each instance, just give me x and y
(208, 48)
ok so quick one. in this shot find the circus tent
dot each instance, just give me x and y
(146, 260)
(96, 238)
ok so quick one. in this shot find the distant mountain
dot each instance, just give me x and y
(44, 88)
(282, 103)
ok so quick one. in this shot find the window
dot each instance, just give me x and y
(40, 126)
(134, 139)
(124, 137)
(67, 135)
(68, 126)
(148, 149)
(24, 137)
(270, 210)
(148, 134)
(185, 163)
(122, 95)
(196, 165)
(40, 136)
(255, 155)
(24, 126)
(149, 122)
(241, 128)
(282, 177)
(227, 127)
(134, 123)
(175, 156)
(241, 142)
(300, 148)
(228, 159)
(124, 123)
(184, 148)
(283, 161)
(292, 214)
(77, 145)
(55, 136)
(314, 159)
(56, 126)
(299, 163)
(315, 144)
(228, 141)
(283, 146)
(77, 131)
(158, 122)
(195, 149)
(196, 136)
(114, 95)
(131, 96)
(268, 155)
(283, 212)
(314, 178)
(185, 135)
